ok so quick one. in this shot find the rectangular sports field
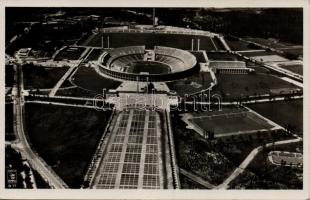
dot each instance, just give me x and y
(229, 122)
(150, 40)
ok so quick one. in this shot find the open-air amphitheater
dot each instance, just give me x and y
(135, 63)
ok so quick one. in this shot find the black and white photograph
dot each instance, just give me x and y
(192, 99)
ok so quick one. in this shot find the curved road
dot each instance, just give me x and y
(22, 145)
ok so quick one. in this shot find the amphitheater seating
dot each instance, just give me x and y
(171, 61)
(187, 57)
(120, 59)
(174, 57)
(127, 51)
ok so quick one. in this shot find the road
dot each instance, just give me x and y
(60, 82)
(22, 145)
(70, 71)
(65, 104)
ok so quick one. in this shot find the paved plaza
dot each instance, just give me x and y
(133, 158)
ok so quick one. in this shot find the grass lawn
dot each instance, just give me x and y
(65, 137)
(294, 68)
(9, 123)
(69, 53)
(294, 51)
(199, 56)
(283, 113)
(151, 40)
(9, 76)
(42, 77)
(187, 183)
(87, 78)
(150, 67)
(269, 43)
(242, 85)
(238, 45)
(258, 53)
(76, 92)
(94, 55)
(222, 56)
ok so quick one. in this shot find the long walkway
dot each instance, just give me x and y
(60, 82)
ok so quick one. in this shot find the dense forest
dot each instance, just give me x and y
(285, 24)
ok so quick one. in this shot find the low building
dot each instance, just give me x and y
(229, 67)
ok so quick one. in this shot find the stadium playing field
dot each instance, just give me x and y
(149, 67)
(150, 40)
(228, 122)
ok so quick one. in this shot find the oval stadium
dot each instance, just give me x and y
(135, 63)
